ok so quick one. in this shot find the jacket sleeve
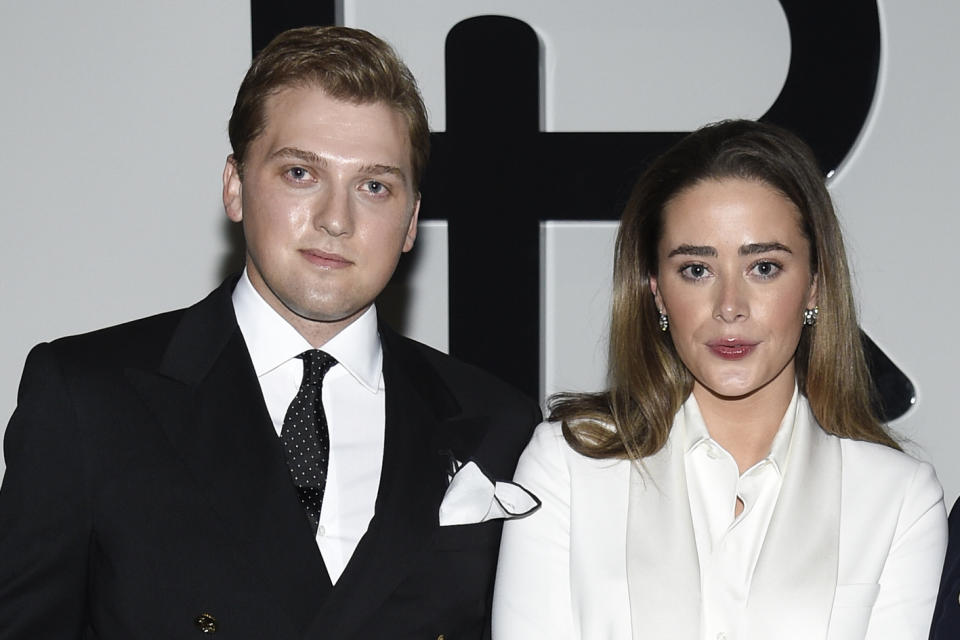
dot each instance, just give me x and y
(44, 516)
(908, 582)
(946, 615)
(532, 597)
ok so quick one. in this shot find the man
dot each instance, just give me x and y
(946, 615)
(271, 462)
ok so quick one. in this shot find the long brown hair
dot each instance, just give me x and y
(648, 381)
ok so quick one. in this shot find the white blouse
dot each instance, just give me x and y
(728, 546)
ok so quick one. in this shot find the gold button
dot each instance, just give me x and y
(206, 622)
(441, 637)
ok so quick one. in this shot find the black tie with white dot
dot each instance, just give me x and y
(305, 437)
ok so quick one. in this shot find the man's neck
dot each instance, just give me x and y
(316, 332)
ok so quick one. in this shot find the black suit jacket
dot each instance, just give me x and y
(146, 486)
(946, 615)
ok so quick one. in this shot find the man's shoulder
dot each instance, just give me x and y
(143, 338)
(139, 342)
(485, 419)
(467, 382)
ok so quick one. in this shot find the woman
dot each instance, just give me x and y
(733, 482)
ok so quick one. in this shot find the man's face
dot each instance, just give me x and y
(327, 206)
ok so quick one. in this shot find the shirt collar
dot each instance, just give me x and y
(272, 341)
(695, 430)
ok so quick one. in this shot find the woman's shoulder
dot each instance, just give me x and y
(547, 441)
(859, 452)
(884, 469)
(549, 450)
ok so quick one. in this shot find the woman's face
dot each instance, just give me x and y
(734, 279)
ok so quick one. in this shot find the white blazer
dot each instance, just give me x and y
(854, 548)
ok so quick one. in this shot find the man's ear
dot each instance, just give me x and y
(412, 227)
(232, 190)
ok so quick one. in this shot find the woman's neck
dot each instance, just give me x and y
(746, 426)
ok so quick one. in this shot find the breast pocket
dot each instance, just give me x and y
(468, 536)
(852, 605)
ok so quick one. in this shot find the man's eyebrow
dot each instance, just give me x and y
(299, 154)
(381, 169)
(762, 247)
(310, 157)
(692, 250)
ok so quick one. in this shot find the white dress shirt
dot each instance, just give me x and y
(353, 401)
(728, 545)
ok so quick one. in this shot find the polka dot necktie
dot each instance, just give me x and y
(305, 437)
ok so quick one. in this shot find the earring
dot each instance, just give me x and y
(810, 316)
(664, 321)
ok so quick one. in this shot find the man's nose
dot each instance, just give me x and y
(333, 213)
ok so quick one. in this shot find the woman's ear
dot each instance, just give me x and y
(812, 295)
(655, 290)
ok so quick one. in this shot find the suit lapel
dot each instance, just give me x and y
(796, 574)
(207, 398)
(664, 602)
(412, 482)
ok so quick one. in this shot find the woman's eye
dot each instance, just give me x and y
(766, 269)
(694, 271)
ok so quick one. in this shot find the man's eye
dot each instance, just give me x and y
(298, 174)
(376, 187)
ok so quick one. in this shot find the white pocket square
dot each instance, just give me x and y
(472, 498)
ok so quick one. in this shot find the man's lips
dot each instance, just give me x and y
(731, 348)
(325, 259)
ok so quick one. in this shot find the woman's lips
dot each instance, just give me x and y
(731, 348)
(324, 259)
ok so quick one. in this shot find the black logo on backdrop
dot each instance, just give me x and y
(494, 176)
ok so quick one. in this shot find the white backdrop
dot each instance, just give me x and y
(113, 132)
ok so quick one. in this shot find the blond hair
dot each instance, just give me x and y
(348, 64)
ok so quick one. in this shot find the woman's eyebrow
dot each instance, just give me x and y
(762, 247)
(692, 250)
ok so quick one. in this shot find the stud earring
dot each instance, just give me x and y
(810, 316)
(664, 321)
